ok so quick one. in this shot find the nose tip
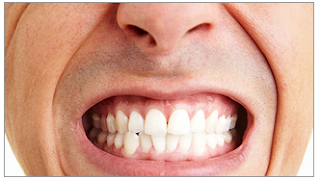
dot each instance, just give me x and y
(160, 27)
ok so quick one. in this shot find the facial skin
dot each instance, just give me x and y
(61, 59)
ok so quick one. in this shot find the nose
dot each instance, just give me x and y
(161, 27)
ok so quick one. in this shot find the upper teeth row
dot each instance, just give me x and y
(155, 122)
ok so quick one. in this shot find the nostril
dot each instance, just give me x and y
(200, 27)
(136, 30)
(139, 33)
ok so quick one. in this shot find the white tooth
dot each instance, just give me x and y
(179, 122)
(110, 139)
(135, 122)
(121, 122)
(198, 122)
(211, 121)
(172, 142)
(227, 137)
(95, 117)
(101, 139)
(131, 143)
(220, 139)
(226, 124)
(155, 123)
(145, 141)
(159, 143)
(111, 123)
(185, 142)
(233, 121)
(118, 140)
(212, 140)
(94, 133)
(220, 125)
(199, 142)
(96, 121)
(103, 121)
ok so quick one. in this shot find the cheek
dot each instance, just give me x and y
(284, 33)
(36, 56)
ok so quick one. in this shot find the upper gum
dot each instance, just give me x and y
(207, 102)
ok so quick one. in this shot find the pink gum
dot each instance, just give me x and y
(207, 102)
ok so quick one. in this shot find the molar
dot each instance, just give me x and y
(96, 121)
(103, 121)
(101, 138)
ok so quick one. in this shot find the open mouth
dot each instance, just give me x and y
(194, 129)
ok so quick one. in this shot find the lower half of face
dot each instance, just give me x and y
(105, 94)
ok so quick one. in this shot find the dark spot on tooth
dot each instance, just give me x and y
(138, 133)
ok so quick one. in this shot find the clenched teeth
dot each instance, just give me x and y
(180, 132)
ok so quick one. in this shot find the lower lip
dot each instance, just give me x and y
(116, 166)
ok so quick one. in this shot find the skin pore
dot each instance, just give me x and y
(62, 59)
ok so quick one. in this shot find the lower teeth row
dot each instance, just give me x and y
(155, 132)
(168, 143)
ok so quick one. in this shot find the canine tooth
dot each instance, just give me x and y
(233, 121)
(172, 142)
(135, 122)
(185, 142)
(199, 142)
(219, 127)
(212, 140)
(131, 143)
(179, 122)
(145, 141)
(96, 121)
(94, 133)
(211, 121)
(227, 137)
(198, 122)
(110, 139)
(111, 123)
(101, 139)
(159, 143)
(118, 140)
(103, 121)
(220, 139)
(121, 122)
(155, 123)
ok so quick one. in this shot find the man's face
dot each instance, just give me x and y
(159, 89)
